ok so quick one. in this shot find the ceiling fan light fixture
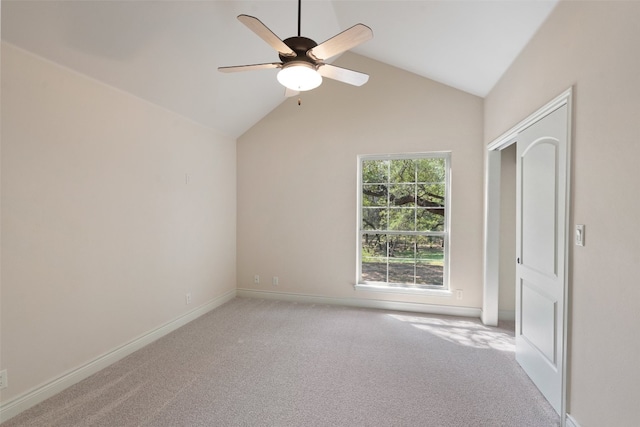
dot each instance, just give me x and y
(299, 76)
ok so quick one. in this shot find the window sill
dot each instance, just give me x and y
(399, 290)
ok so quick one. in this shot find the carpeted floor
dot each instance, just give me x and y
(255, 362)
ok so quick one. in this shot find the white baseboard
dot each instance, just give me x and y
(364, 303)
(26, 400)
(507, 315)
(571, 422)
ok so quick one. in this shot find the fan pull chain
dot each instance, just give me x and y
(299, 102)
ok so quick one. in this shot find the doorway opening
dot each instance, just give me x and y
(507, 267)
(550, 297)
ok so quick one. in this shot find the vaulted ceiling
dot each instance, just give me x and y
(167, 52)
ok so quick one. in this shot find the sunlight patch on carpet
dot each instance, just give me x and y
(462, 332)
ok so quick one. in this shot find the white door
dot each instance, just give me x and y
(540, 250)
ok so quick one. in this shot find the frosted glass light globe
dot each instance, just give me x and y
(300, 76)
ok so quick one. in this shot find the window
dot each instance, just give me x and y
(403, 220)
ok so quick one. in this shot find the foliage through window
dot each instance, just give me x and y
(403, 235)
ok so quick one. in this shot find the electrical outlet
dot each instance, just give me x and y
(458, 293)
(275, 281)
(256, 279)
(3, 379)
(187, 298)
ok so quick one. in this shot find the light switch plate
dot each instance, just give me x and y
(579, 234)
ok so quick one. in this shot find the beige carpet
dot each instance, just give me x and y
(255, 362)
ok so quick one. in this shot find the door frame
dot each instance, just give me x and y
(492, 222)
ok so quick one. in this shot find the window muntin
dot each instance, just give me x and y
(403, 220)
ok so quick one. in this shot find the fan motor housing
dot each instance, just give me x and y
(300, 45)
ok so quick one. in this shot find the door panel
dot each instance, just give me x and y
(540, 244)
(539, 178)
(539, 320)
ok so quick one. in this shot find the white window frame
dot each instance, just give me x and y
(433, 290)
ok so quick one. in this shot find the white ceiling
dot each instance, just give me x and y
(167, 52)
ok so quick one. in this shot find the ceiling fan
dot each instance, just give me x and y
(303, 65)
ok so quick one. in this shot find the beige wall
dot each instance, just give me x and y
(297, 180)
(594, 47)
(101, 236)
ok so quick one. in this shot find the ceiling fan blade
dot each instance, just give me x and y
(290, 92)
(255, 25)
(237, 68)
(342, 42)
(344, 75)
